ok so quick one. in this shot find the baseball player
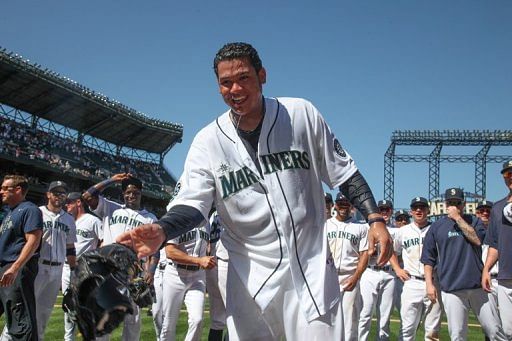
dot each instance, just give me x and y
(184, 282)
(262, 164)
(402, 218)
(117, 219)
(386, 209)
(415, 302)
(453, 244)
(88, 232)
(377, 292)
(216, 280)
(328, 205)
(57, 246)
(20, 236)
(499, 239)
(349, 247)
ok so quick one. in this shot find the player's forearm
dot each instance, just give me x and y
(180, 219)
(468, 231)
(394, 263)
(179, 256)
(356, 189)
(28, 250)
(429, 278)
(362, 263)
(492, 258)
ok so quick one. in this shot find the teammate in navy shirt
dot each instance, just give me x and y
(453, 245)
(499, 239)
(20, 236)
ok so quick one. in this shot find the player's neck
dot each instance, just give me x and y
(250, 121)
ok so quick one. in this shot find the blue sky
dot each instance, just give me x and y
(371, 67)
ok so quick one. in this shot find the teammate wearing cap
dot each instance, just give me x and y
(499, 239)
(20, 236)
(415, 302)
(402, 218)
(328, 206)
(262, 164)
(386, 209)
(349, 247)
(453, 245)
(57, 246)
(88, 232)
(117, 219)
(216, 280)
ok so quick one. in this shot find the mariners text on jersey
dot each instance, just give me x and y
(191, 235)
(343, 235)
(235, 181)
(127, 221)
(55, 225)
(413, 242)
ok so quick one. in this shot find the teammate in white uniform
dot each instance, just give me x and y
(349, 247)
(88, 232)
(117, 219)
(184, 282)
(216, 280)
(329, 204)
(57, 246)
(262, 164)
(415, 302)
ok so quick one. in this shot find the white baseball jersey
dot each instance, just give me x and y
(216, 231)
(118, 218)
(58, 230)
(409, 241)
(194, 242)
(88, 232)
(274, 219)
(346, 241)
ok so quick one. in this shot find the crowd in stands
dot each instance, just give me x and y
(67, 156)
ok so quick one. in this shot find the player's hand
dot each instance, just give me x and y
(453, 212)
(486, 281)
(349, 283)
(149, 277)
(145, 239)
(432, 293)
(8, 277)
(403, 275)
(121, 176)
(378, 234)
(207, 262)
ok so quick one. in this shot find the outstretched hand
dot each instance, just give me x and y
(145, 240)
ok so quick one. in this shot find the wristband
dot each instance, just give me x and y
(376, 220)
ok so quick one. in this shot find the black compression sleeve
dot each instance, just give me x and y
(356, 189)
(180, 219)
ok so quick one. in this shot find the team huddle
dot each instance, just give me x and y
(248, 225)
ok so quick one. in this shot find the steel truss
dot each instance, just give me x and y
(484, 138)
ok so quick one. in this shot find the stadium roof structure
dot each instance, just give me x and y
(44, 93)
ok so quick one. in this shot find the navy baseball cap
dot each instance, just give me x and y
(340, 197)
(328, 197)
(507, 166)
(385, 203)
(131, 181)
(454, 194)
(74, 196)
(419, 201)
(400, 213)
(484, 203)
(57, 184)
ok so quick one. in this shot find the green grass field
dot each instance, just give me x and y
(55, 329)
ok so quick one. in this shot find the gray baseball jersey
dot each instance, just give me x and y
(88, 232)
(58, 230)
(276, 216)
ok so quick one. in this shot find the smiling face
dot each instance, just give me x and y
(241, 86)
(419, 214)
(132, 197)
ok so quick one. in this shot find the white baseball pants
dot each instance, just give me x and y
(216, 288)
(351, 306)
(505, 305)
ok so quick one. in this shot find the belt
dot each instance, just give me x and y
(379, 268)
(47, 262)
(186, 267)
(418, 278)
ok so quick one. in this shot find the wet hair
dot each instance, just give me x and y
(18, 180)
(239, 50)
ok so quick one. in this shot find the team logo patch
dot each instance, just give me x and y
(176, 190)
(339, 149)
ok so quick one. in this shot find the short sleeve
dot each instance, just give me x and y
(429, 253)
(33, 219)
